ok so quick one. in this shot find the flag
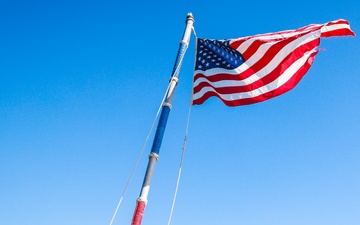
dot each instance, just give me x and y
(253, 69)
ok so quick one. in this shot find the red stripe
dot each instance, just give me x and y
(238, 41)
(338, 32)
(339, 21)
(251, 49)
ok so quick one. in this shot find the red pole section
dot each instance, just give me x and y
(165, 111)
(139, 212)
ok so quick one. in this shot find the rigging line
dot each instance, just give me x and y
(181, 164)
(196, 46)
(139, 156)
(183, 51)
(177, 70)
(193, 29)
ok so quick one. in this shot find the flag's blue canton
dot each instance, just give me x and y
(216, 54)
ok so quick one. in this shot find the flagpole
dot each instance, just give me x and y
(165, 111)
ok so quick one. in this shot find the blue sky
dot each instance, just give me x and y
(80, 84)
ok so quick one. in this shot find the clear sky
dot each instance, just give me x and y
(80, 84)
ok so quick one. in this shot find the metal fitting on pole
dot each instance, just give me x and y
(154, 155)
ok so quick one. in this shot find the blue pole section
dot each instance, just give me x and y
(165, 111)
(160, 129)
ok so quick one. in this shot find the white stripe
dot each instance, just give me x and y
(333, 27)
(264, 89)
(289, 33)
(273, 64)
(271, 36)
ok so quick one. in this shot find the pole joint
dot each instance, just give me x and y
(182, 42)
(175, 79)
(167, 104)
(154, 155)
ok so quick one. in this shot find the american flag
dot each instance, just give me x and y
(252, 69)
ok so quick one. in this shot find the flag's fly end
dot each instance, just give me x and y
(338, 27)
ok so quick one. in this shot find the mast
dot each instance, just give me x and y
(165, 111)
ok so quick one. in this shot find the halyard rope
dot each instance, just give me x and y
(182, 156)
(180, 168)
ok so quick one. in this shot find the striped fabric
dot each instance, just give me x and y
(256, 68)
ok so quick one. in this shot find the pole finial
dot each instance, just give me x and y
(190, 17)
